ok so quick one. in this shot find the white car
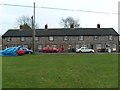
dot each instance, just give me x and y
(84, 49)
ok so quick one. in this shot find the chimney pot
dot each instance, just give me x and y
(21, 26)
(46, 26)
(98, 25)
(72, 25)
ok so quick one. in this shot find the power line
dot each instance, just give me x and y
(60, 9)
(78, 10)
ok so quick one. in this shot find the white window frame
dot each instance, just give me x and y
(69, 46)
(108, 46)
(25, 46)
(110, 38)
(9, 39)
(99, 46)
(36, 38)
(39, 47)
(95, 37)
(22, 38)
(80, 37)
(77, 46)
(114, 47)
(47, 46)
(84, 45)
(54, 46)
(65, 38)
(51, 38)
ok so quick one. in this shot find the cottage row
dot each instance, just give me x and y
(95, 38)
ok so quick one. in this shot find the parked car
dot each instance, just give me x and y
(12, 51)
(20, 52)
(46, 50)
(84, 49)
(27, 51)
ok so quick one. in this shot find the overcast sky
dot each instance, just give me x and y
(9, 14)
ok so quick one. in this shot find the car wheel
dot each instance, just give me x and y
(91, 52)
(44, 51)
(54, 51)
(30, 52)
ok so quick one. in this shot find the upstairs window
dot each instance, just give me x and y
(110, 37)
(80, 37)
(9, 39)
(22, 39)
(36, 38)
(51, 38)
(65, 38)
(95, 37)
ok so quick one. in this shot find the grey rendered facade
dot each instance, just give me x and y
(63, 38)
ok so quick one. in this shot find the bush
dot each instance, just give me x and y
(71, 50)
(102, 50)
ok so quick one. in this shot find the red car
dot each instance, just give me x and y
(46, 50)
(20, 52)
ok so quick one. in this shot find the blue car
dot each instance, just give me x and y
(27, 51)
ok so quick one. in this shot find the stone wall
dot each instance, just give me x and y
(59, 42)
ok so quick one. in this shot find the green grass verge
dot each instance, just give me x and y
(61, 71)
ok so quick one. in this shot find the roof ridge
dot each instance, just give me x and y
(59, 29)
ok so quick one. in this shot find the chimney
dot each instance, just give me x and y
(46, 26)
(98, 25)
(21, 27)
(72, 25)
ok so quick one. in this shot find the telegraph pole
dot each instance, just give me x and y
(33, 28)
(32, 35)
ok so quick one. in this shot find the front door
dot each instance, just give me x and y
(92, 46)
(62, 48)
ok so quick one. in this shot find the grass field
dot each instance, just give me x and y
(60, 71)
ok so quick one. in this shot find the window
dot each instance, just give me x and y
(107, 45)
(84, 45)
(80, 37)
(36, 38)
(110, 38)
(95, 37)
(39, 47)
(25, 46)
(51, 38)
(77, 46)
(69, 46)
(99, 46)
(54, 46)
(47, 46)
(65, 38)
(114, 47)
(9, 39)
(6, 46)
(22, 39)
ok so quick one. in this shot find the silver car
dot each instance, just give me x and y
(84, 50)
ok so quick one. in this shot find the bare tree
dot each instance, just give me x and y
(26, 20)
(67, 22)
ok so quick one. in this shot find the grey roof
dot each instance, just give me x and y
(62, 32)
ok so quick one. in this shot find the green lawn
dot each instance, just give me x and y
(60, 71)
